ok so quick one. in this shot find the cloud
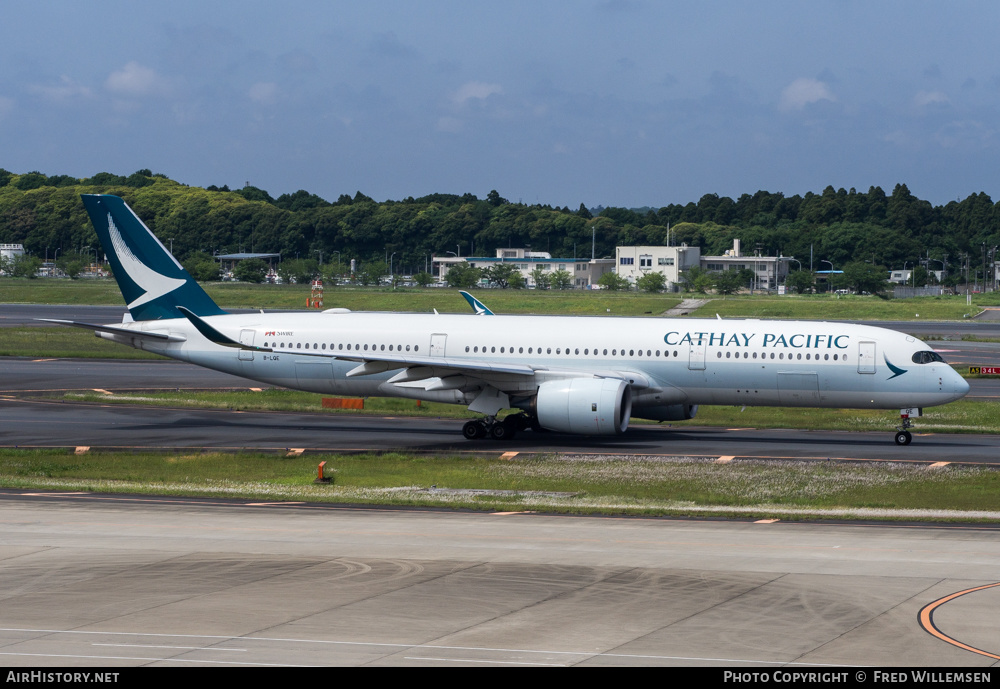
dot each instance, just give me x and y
(924, 99)
(475, 90)
(264, 93)
(803, 92)
(66, 89)
(135, 80)
(451, 125)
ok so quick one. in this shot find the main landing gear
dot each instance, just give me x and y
(497, 430)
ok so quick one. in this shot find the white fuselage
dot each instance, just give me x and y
(667, 361)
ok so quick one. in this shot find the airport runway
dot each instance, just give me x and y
(41, 423)
(106, 580)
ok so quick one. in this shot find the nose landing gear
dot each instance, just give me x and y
(903, 435)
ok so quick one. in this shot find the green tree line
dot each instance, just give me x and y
(841, 226)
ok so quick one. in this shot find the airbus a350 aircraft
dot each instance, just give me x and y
(585, 375)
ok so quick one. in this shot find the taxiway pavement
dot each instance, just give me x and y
(105, 580)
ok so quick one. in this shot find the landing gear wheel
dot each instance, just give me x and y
(500, 431)
(513, 424)
(473, 430)
(903, 438)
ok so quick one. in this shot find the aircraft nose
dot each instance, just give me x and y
(959, 384)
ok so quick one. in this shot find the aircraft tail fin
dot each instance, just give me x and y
(151, 280)
(477, 306)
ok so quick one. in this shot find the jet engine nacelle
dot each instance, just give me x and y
(666, 412)
(588, 406)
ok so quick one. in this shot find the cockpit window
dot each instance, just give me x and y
(926, 357)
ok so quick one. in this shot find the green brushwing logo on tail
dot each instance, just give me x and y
(150, 278)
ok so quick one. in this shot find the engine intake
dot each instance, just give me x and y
(587, 406)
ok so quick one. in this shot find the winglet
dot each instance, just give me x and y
(477, 306)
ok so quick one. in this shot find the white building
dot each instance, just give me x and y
(8, 252)
(905, 276)
(632, 262)
(771, 271)
(583, 271)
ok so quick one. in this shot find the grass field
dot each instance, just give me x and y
(56, 342)
(242, 295)
(569, 302)
(588, 484)
(831, 307)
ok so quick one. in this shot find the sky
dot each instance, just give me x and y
(604, 102)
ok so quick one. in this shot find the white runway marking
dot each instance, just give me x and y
(581, 655)
(178, 648)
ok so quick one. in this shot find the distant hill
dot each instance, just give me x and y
(45, 213)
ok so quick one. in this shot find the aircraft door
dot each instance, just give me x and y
(246, 337)
(438, 341)
(866, 357)
(696, 355)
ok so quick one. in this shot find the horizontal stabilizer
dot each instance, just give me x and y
(131, 332)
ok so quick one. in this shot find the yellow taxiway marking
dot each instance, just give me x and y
(926, 618)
